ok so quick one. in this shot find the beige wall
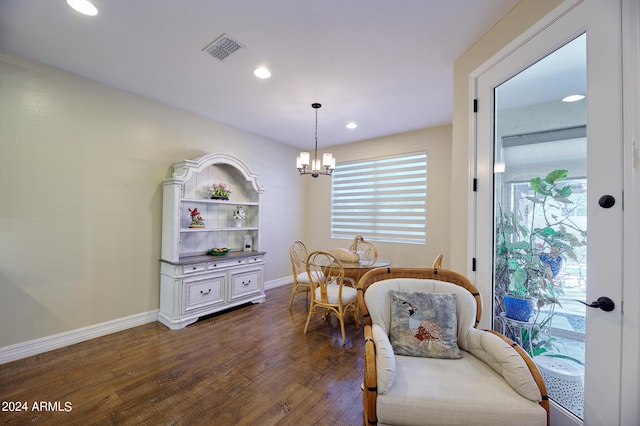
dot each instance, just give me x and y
(437, 143)
(81, 166)
(520, 18)
(80, 196)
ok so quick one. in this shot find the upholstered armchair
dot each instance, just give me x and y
(426, 363)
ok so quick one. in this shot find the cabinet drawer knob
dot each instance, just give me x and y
(203, 293)
(246, 283)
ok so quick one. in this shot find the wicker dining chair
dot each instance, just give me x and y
(298, 253)
(328, 292)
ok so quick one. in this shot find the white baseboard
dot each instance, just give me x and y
(56, 341)
(278, 282)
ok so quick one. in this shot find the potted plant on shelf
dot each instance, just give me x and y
(529, 256)
(220, 191)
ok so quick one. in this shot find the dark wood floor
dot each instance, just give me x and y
(249, 366)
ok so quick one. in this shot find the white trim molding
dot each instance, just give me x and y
(56, 341)
(278, 282)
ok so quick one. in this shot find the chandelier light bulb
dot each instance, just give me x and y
(303, 160)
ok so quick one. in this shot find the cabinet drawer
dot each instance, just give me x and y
(255, 259)
(245, 283)
(193, 268)
(225, 263)
(204, 292)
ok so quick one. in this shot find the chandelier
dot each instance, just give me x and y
(315, 168)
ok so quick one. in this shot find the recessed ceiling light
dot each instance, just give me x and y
(352, 125)
(262, 72)
(573, 98)
(83, 6)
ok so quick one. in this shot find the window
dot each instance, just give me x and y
(382, 199)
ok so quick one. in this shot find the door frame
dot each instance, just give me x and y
(484, 172)
(630, 386)
(630, 380)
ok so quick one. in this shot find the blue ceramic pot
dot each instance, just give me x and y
(554, 263)
(517, 308)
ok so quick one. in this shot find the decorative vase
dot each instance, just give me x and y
(517, 308)
(239, 215)
(219, 197)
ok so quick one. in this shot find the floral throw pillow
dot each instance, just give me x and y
(424, 325)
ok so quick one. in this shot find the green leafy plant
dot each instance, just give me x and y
(541, 342)
(525, 253)
(528, 255)
(560, 235)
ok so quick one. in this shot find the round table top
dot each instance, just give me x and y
(379, 263)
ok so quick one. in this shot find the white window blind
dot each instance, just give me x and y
(382, 199)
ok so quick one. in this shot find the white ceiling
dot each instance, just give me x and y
(387, 65)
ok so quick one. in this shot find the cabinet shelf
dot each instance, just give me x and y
(210, 201)
(232, 228)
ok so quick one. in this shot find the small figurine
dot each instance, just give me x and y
(196, 219)
(239, 215)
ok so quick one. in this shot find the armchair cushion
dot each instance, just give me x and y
(504, 360)
(385, 359)
(424, 324)
(378, 301)
(432, 391)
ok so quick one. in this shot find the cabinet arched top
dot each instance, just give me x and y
(184, 170)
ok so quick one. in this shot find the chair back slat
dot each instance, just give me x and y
(324, 269)
(298, 253)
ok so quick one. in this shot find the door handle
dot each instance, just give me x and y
(603, 303)
(606, 201)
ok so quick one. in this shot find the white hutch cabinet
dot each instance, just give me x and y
(193, 283)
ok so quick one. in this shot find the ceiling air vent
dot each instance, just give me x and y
(222, 47)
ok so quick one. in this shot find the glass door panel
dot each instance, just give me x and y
(540, 219)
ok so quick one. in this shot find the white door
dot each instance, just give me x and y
(593, 152)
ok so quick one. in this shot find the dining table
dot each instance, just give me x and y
(355, 270)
